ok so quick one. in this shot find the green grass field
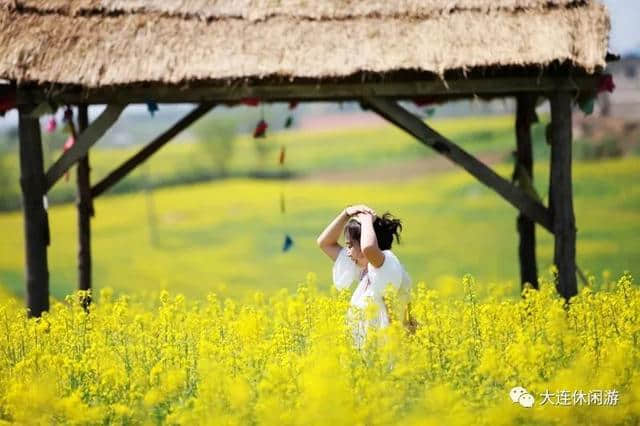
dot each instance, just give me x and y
(226, 236)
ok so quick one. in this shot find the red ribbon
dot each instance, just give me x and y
(261, 129)
(250, 101)
(7, 102)
(606, 83)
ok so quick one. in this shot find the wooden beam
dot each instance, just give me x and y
(523, 174)
(125, 168)
(402, 118)
(84, 205)
(561, 195)
(36, 221)
(86, 139)
(323, 90)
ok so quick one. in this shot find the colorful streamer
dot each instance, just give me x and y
(288, 122)
(587, 105)
(606, 84)
(261, 129)
(288, 243)
(68, 115)
(69, 128)
(51, 125)
(7, 102)
(152, 107)
(250, 102)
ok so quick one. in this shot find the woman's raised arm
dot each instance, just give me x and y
(328, 239)
(368, 240)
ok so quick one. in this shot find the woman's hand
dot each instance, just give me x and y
(362, 216)
(357, 209)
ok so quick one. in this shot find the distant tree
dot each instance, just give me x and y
(216, 138)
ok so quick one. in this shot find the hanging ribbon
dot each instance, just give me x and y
(586, 106)
(51, 125)
(7, 102)
(68, 115)
(250, 102)
(71, 140)
(261, 129)
(69, 143)
(288, 243)
(282, 156)
(288, 122)
(152, 107)
(606, 84)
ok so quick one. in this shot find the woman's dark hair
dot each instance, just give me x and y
(385, 228)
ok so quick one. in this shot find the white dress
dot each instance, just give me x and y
(372, 283)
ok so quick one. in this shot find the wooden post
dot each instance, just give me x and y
(36, 221)
(84, 204)
(561, 195)
(525, 115)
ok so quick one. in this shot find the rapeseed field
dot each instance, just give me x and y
(289, 359)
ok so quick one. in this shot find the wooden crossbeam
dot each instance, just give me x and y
(402, 118)
(146, 152)
(86, 139)
(325, 90)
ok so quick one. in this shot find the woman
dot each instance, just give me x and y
(367, 258)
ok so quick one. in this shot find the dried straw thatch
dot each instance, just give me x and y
(116, 42)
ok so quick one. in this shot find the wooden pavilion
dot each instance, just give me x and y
(377, 52)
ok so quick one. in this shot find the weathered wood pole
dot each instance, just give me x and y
(561, 195)
(525, 116)
(84, 204)
(36, 221)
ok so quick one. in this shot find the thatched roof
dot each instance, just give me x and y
(97, 43)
